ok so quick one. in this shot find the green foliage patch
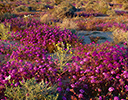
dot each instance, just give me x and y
(31, 90)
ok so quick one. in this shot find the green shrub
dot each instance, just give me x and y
(31, 90)
(61, 55)
(4, 31)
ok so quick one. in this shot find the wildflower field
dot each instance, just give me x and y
(43, 58)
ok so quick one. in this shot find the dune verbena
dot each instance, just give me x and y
(63, 55)
(4, 31)
(64, 9)
(31, 90)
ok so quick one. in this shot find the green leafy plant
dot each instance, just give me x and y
(4, 31)
(63, 55)
(31, 90)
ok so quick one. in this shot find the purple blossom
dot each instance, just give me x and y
(80, 95)
(100, 98)
(72, 85)
(59, 89)
(81, 62)
(116, 98)
(111, 89)
(64, 98)
(74, 76)
(81, 90)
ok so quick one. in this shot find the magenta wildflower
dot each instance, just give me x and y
(111, 89)
(116, 98)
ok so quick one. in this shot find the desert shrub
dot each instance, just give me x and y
(4, 31)
(44, 6)
(103, 7)
(34, 6)
(32, 90)
(6, 16)
(111, 13)
(58, 1)
(21, 8)
(64, 9)
(62, 55)
(120, 35)
(108, 1)
(46, 18)
(125, 6)
(68, 23)
(120, 1)
(100, 6)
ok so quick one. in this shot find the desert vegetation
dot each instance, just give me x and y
(43, 58)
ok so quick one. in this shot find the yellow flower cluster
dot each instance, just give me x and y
(61, 54)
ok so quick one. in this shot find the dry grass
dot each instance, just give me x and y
(68, 23)
(120, 35)
(46, 18)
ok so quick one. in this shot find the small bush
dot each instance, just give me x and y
(111, 13)
(64, 9)
(58, 1)
(125, 6)
(46, 18)
(120, 35)
(31, 90)
(61, 55)
(21, 8)
(100, 7)
(68, 23)
(6, 16)
(4, 31)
